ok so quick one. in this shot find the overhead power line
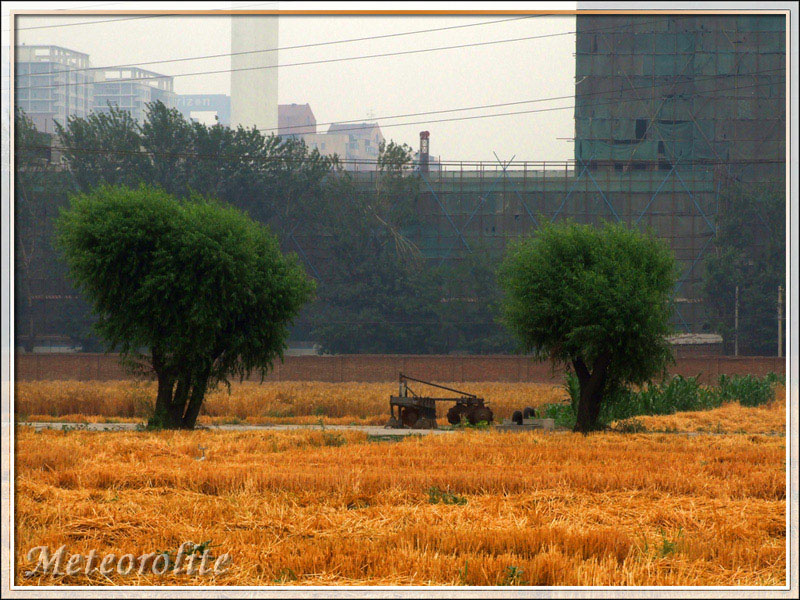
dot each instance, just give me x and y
(467, 118)
(306, 63)
(86, 22)
(516, 102)
(297, 47)
(117, 20)
(296, 64)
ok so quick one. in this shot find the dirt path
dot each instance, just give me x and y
(373, 430)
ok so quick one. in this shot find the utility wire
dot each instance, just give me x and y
(282, 160)
(108, 20)
(536, 100)
(278, 159)
(285, 65)
(305, 63)
(84, 22)
(517, 102)
(281, 49)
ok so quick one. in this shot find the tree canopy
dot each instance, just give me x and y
(596, 299)
(192, 289)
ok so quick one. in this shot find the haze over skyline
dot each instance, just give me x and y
(369, 88)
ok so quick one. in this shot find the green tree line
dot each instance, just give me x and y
(376, 292)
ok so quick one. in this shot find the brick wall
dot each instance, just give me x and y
(382, 367)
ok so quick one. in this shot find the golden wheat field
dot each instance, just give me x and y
(728, 418)
(254, 403)
(325, 507)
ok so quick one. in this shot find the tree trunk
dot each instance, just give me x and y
(180, 395)
(162, 415)
(195, 400)
(592, 386)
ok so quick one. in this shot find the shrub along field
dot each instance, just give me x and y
(471, 508)
(672, 395)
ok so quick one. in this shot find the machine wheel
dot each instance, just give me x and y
(409, 417)
(425, 423)
(516, 418)
(478, 414)
(528, 413)
(455, 414)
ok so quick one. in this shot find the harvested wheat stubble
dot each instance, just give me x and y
(728, 418)
(320, 508)
(250, 402)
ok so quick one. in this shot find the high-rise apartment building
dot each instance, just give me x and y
(52, 83)
(131, 89)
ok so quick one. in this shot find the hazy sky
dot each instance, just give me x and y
(377, 87)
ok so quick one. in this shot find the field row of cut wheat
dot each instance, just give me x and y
(470, 508)
(269, 402)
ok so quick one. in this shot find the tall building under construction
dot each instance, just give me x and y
(688, 92)
(669, 109)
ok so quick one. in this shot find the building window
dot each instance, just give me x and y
(641, 128)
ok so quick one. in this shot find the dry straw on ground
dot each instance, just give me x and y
(728, 418)
(269, 402)
(324, 507)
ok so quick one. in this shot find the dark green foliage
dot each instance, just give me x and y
(749, 252)
(438, 496)
(104, 148)
(470, 305)
(194, 290)
(597, 299)
(748, 390)
(676, 394)
(376, 295)
(40, 190)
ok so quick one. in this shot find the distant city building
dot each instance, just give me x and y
(254, 76)
(198, 106)
(356, 144)
(294, 120)
(51, 84)
(131, 89)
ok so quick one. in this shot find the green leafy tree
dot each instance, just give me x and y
(192, 290)
(594, 299)
(105, 148)
(749, 252)
(168, 140)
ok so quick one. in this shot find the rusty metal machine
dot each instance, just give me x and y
(413, 411)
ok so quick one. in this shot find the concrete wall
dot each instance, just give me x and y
(370, 367)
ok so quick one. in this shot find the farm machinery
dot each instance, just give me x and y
(414, 411)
